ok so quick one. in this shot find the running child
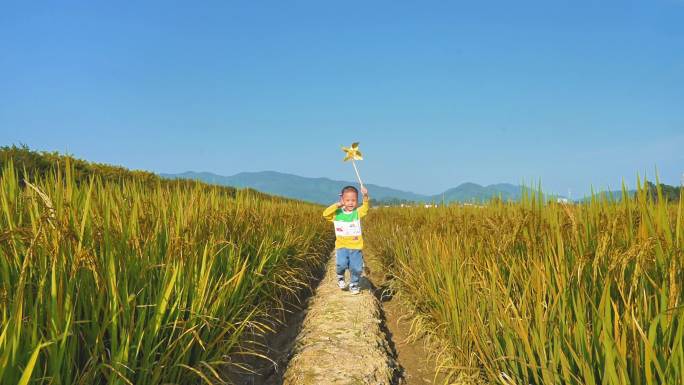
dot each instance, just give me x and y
(346, 217)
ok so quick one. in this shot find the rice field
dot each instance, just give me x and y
(537, 292)
(141, 281)
(132, 282)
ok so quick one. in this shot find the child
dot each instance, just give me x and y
(348, 243)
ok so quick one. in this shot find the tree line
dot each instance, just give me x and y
(30, 164)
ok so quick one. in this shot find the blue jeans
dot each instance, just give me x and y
(351, 259)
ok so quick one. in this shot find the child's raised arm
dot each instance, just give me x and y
(363, 210)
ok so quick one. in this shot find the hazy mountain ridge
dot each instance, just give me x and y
(472, 191)
(325, 190)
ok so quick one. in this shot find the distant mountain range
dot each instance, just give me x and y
(325, 190)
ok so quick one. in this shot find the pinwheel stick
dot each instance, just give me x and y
(357, 173)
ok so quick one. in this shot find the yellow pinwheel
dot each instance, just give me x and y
(353, 153)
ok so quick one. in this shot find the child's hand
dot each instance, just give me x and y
(364, 191)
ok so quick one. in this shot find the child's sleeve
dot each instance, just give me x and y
(363, 210)
(329, 213)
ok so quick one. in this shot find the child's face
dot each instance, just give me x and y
(349, 200)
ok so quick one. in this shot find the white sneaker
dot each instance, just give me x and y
(354, 289)
(341, 284)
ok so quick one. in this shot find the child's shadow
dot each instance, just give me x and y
(382, 293)
(366, 284)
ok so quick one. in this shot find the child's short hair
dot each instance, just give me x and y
(349, 188)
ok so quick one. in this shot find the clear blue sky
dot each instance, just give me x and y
(577, 93)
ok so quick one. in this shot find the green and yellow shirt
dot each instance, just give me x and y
(347, 225)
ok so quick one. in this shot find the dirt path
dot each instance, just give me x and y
(342, 340)
(336, 338)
